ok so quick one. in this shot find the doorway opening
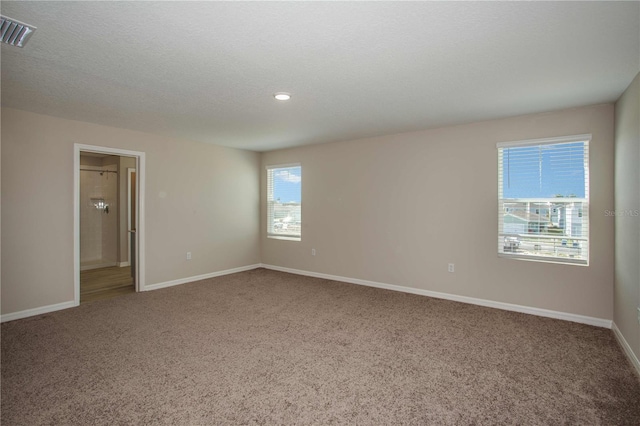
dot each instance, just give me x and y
(108, 222)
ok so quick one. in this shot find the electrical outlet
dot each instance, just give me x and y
(313, 252)
(188, 255)
(451, 267)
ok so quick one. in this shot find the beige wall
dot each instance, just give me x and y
(390, 209)
(90, 161)
(0, 204)
(199, 198)
(396, 209)
(627, 223)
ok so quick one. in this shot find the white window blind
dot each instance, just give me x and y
(284, 202)
(543, 199)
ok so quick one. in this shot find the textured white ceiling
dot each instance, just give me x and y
(207, 71)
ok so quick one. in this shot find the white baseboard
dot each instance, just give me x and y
(123, 264)
(65, 305)
(626, 348)
(598, 322)
(200, 277)
(36, 311)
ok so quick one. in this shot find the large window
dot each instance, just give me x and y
(543, 199)
(284, 202)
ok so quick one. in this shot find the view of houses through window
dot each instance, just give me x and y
(284, 202)
(543, 199)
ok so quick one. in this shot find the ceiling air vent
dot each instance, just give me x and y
(14, 32)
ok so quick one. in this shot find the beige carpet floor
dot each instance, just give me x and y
(264, 347)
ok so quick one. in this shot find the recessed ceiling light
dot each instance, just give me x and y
(282, 96)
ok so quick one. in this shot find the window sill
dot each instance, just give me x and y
(544, 259)
(284, 237)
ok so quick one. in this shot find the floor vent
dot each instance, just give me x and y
(14, 32)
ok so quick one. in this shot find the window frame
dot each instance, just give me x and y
(270, 169)
(585, 227)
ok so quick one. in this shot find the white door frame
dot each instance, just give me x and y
(139, 235)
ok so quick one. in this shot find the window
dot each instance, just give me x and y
(543, 199)
(284, 202)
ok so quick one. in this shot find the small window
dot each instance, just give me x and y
(284, 202)
(543, 199)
